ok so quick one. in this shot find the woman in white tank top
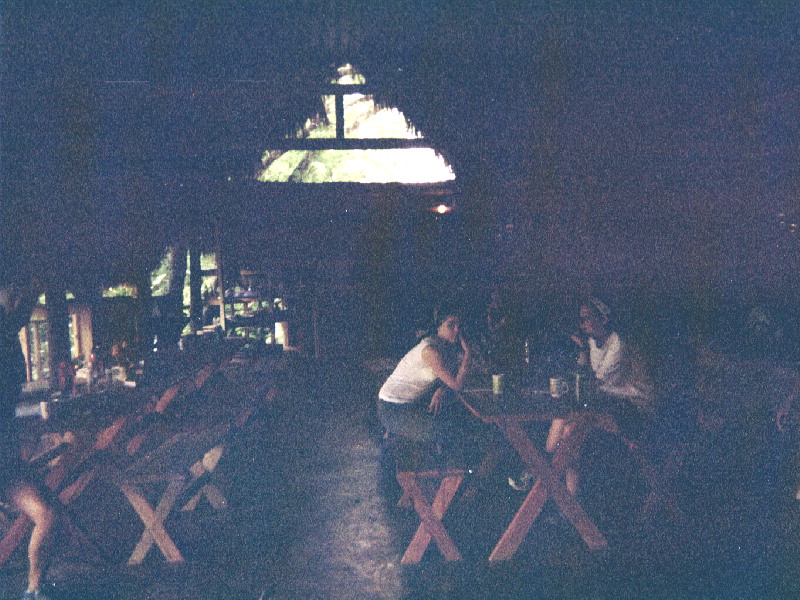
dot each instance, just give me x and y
(411, 398)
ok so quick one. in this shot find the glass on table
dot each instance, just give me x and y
(498, 383)
(558, 387)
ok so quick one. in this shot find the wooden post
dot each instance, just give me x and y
(146, 325)
(220, 283)
(315, 322)
(195, 292)
(339, 101)
(58, 319)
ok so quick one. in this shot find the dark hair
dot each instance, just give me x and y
(442, 312)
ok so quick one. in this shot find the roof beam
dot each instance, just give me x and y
(346, 144)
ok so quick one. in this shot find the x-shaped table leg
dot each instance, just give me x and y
(202, 470)
(153, 521)
(431, 516)
(548, 485)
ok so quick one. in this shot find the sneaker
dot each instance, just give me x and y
(522, 483)
(35, 595)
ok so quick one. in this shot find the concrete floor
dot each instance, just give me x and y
(312, 515)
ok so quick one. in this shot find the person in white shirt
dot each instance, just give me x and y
(412, 401)
(622, 383)
(619, 369)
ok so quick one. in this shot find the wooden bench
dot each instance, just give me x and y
(170, 463)
(414, 469)
(67, 474)
(185, 464)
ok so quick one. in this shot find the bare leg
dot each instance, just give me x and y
(555, 434)
(572, 481)
(28, 500)
(559, 430)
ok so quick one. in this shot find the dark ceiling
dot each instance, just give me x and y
(602, 136)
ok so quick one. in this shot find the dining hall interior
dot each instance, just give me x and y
(239, 216)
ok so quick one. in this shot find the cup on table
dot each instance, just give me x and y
(44, 409)
(498, 383)
(558, 387)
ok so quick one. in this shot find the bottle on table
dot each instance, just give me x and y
(584, 385)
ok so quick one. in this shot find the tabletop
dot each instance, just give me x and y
(88, 408)
(516, 403)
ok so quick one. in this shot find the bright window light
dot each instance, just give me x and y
(363, 119)
(124, 289)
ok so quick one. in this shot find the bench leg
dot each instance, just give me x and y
(204, 469)
(431, 517)
(17, 531)
(154, 522)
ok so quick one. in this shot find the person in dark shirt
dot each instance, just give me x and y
(17, 485)
(501, 334)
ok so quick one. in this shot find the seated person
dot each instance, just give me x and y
(621, 387)
(412, 402)
(500, 332)
(18, 485)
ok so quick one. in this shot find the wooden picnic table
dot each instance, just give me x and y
(53, 446)
(130, 436)
(78, 434)
(510, 411)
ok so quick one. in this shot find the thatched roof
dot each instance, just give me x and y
(641, 114)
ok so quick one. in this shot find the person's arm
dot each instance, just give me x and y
(433, 359)
(612, 371)
(436, 400)
(583, 348)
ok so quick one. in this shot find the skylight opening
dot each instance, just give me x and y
(363, 119)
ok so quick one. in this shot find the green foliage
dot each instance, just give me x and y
(159, 277)
(363, 119)
(122, 290)
(208, 261)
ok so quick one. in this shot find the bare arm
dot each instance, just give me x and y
(583, 348)
(452, 380)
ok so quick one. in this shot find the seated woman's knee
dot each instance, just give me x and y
(30, 501)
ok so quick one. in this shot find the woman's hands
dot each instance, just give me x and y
(580, 340)
(434, 359)
(436, 402)
(464, 347)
